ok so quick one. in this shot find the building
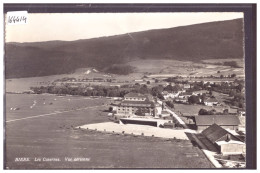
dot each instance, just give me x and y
(144, 121)
(241, 112)
(186, 86)
(185, 94)
(172, 95)
(225, 121)
(211, 101)
(225, 142)
(200, 92)
(181, 100)
(136, 104)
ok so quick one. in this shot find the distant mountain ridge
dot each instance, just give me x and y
(214, 40)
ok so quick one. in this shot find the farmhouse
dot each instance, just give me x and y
(225, 121)
(225, 142)
(136, 104)
(211, 101)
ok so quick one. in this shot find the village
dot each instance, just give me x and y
(209, 111)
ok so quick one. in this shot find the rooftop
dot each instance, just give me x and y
(217, 119)
(137, 103)
(215, 133)
(134, 95)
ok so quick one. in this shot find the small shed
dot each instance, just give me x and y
(225, 142)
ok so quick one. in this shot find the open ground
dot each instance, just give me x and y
(47, 130)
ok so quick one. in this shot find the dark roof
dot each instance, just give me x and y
(134, 95)
(186, 93)
(217, 119)
(216, 133)
(211, 100)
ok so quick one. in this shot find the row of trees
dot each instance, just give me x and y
(98, 90)
(212, 112)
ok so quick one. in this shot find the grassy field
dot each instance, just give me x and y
(54, 136)
(187, 109)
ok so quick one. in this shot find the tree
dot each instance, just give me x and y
(193, 100)
(233, 75)
(110, 109)
(148, 82)
(203, 112)
(155, 91)
(168, 88)
(143, 89)
(160, 96)
(225, 112)
(170, 104)
(239, 87)
(232, 93)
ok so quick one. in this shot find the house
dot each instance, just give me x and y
(241, 112)
(185, 94)
(186, 86)
(167, 94)
(181, 100)
(232, 111)
(211, 101)
(225, 142)
(136, 104)
(200, 92)
(225, 121)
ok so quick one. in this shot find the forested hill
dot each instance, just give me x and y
(212, 40)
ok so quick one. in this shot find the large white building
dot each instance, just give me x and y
(136, 104)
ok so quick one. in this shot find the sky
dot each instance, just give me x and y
(75, 26)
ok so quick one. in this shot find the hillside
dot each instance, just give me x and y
(215, 40)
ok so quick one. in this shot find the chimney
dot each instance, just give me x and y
(228, 138)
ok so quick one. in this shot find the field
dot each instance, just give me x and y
(47, 131)
(169, 68)
(150, 68)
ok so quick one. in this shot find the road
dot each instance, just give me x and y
(208, 154)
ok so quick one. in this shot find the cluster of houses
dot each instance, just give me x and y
(136, 108)
(182, 97)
